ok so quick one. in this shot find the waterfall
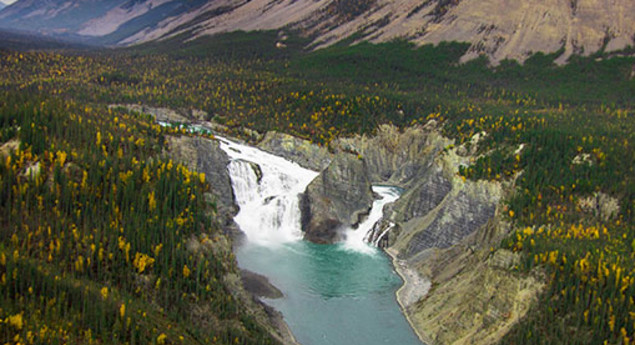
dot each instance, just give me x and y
(377, 240)
(266, 188)
(333, 294)
(357, 239)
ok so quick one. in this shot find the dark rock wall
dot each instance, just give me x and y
(338, 197)
(455, 220)
(427, 194)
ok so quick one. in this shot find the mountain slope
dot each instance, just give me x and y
(102, 21)
(499, 29)
(54, 16)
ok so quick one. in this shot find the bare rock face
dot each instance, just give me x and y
(426, 195)
(160, 114)
(395, 157)
(477, 305)
(458, 217)
(301, 151)
(601, 205)
(204, 155)
(338, 197)
(259, 285)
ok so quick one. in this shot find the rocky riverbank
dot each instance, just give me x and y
(414, 288)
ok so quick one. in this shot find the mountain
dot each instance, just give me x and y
(101, 21)
(53, 16)
(499, 29)
(2, 5)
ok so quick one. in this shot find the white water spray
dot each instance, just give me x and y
(383, 233)
(356, 239)
(266, 188)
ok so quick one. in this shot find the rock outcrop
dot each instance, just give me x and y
(298, 150)
(337, 198)
(478, 305)
(439, 233)
(477, 294)
(204, 155)
(259, 285)
(461, 212)
(426, 195)
(394, 157)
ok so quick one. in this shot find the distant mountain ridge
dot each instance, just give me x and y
(499, 29)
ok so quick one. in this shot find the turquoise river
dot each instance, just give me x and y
(340, 294)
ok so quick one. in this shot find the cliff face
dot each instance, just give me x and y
(396, 158)
(477, 297)
(204, 155)
(337, 198)
(463, 209)
(444, 230)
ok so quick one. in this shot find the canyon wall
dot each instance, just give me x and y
(441, 233)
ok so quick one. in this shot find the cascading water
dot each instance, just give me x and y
(333, 294)
(357, 239)
(266, 188)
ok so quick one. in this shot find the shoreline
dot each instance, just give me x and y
(276, 319)
(411, 281)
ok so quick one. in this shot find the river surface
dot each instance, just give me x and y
(341, 294)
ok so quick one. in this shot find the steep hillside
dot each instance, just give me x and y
(101, 21)
(53, 16)
(499, 29)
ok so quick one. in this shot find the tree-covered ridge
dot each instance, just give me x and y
(103, 240)
(562, 135)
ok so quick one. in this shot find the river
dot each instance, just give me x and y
(340, 294)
